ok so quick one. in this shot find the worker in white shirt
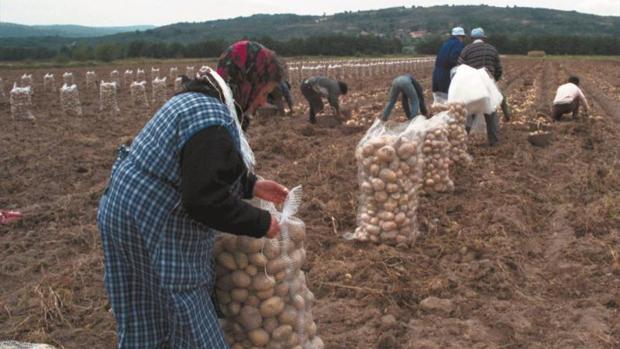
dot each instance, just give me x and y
(568, 99)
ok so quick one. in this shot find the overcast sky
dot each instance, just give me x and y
(160, 12)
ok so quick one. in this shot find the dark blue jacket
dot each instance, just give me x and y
(447, 58)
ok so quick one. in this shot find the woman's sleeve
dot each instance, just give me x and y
(210, 168)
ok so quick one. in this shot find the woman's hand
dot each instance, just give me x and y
(274, 229)
(270, 191)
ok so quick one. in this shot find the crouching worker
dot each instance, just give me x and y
(182, 180)
(412, 97)
(280, 93)
(315, 88)
(568, 99)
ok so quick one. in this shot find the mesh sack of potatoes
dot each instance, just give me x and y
(455, 116)
(178, 84)
(2, 94)
(107, 98)
(115, 76)
(390, 163)
(128, 77)
(436, 149)
(159, 91)
(140, 75)
(70, 100)
(48, 82)
(67, 78)
(26, 80)
(261, 289)
(21, 102)
(154, 73)
(173, 73)
(190, 71)
(91, 80)
(138, 93)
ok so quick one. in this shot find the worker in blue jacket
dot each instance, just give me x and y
(447, 58)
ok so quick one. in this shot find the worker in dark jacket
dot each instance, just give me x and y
(480, 54)
(281, 93)
(447, 58)
(315, 88)
(412, 97)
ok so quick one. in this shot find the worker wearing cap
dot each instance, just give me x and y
(447, 58)
(480, 54)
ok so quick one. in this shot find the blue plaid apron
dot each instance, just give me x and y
(158, 261)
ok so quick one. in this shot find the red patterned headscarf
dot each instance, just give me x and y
(247, 67)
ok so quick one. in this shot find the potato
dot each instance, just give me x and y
(281, 290)
(240, 279)
(266, 294)
(249, 245)
(387, 175)
(227, 260)
(258, 259)
(225, 283)
(282, 333)
(239, 295)
(262, 282)
(311, 329)
(223, 297)
(386, 153)
(259, 337)
(297, 231)
(241, 259)
(250, 318)
(377, 184)
(234, 308)
(271, 249)
(270, 324)
(251, 270)
(293, 340)
(288, 315)
(272, 307)
(299, 302)
(252, 301)
(275, 266)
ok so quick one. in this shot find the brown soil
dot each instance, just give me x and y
(524, 254)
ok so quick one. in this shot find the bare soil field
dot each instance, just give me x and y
(524, 254)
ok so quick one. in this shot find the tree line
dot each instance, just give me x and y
(324, 45)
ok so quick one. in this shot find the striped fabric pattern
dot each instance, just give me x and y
(482, 55)
(158, 261)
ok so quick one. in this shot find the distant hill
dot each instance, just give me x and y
(13, 30)
(393, 22)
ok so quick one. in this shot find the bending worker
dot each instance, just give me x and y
(182, 180)
(315, 88)
(412, 97)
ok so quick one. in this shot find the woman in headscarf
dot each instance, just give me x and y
(182, 180)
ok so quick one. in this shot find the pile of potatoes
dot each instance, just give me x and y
(21, 102)
(390, 177)
(262, 291)
(91, 80)
(436, 150)
(159, 90)
(48, 83)
(67, 78)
